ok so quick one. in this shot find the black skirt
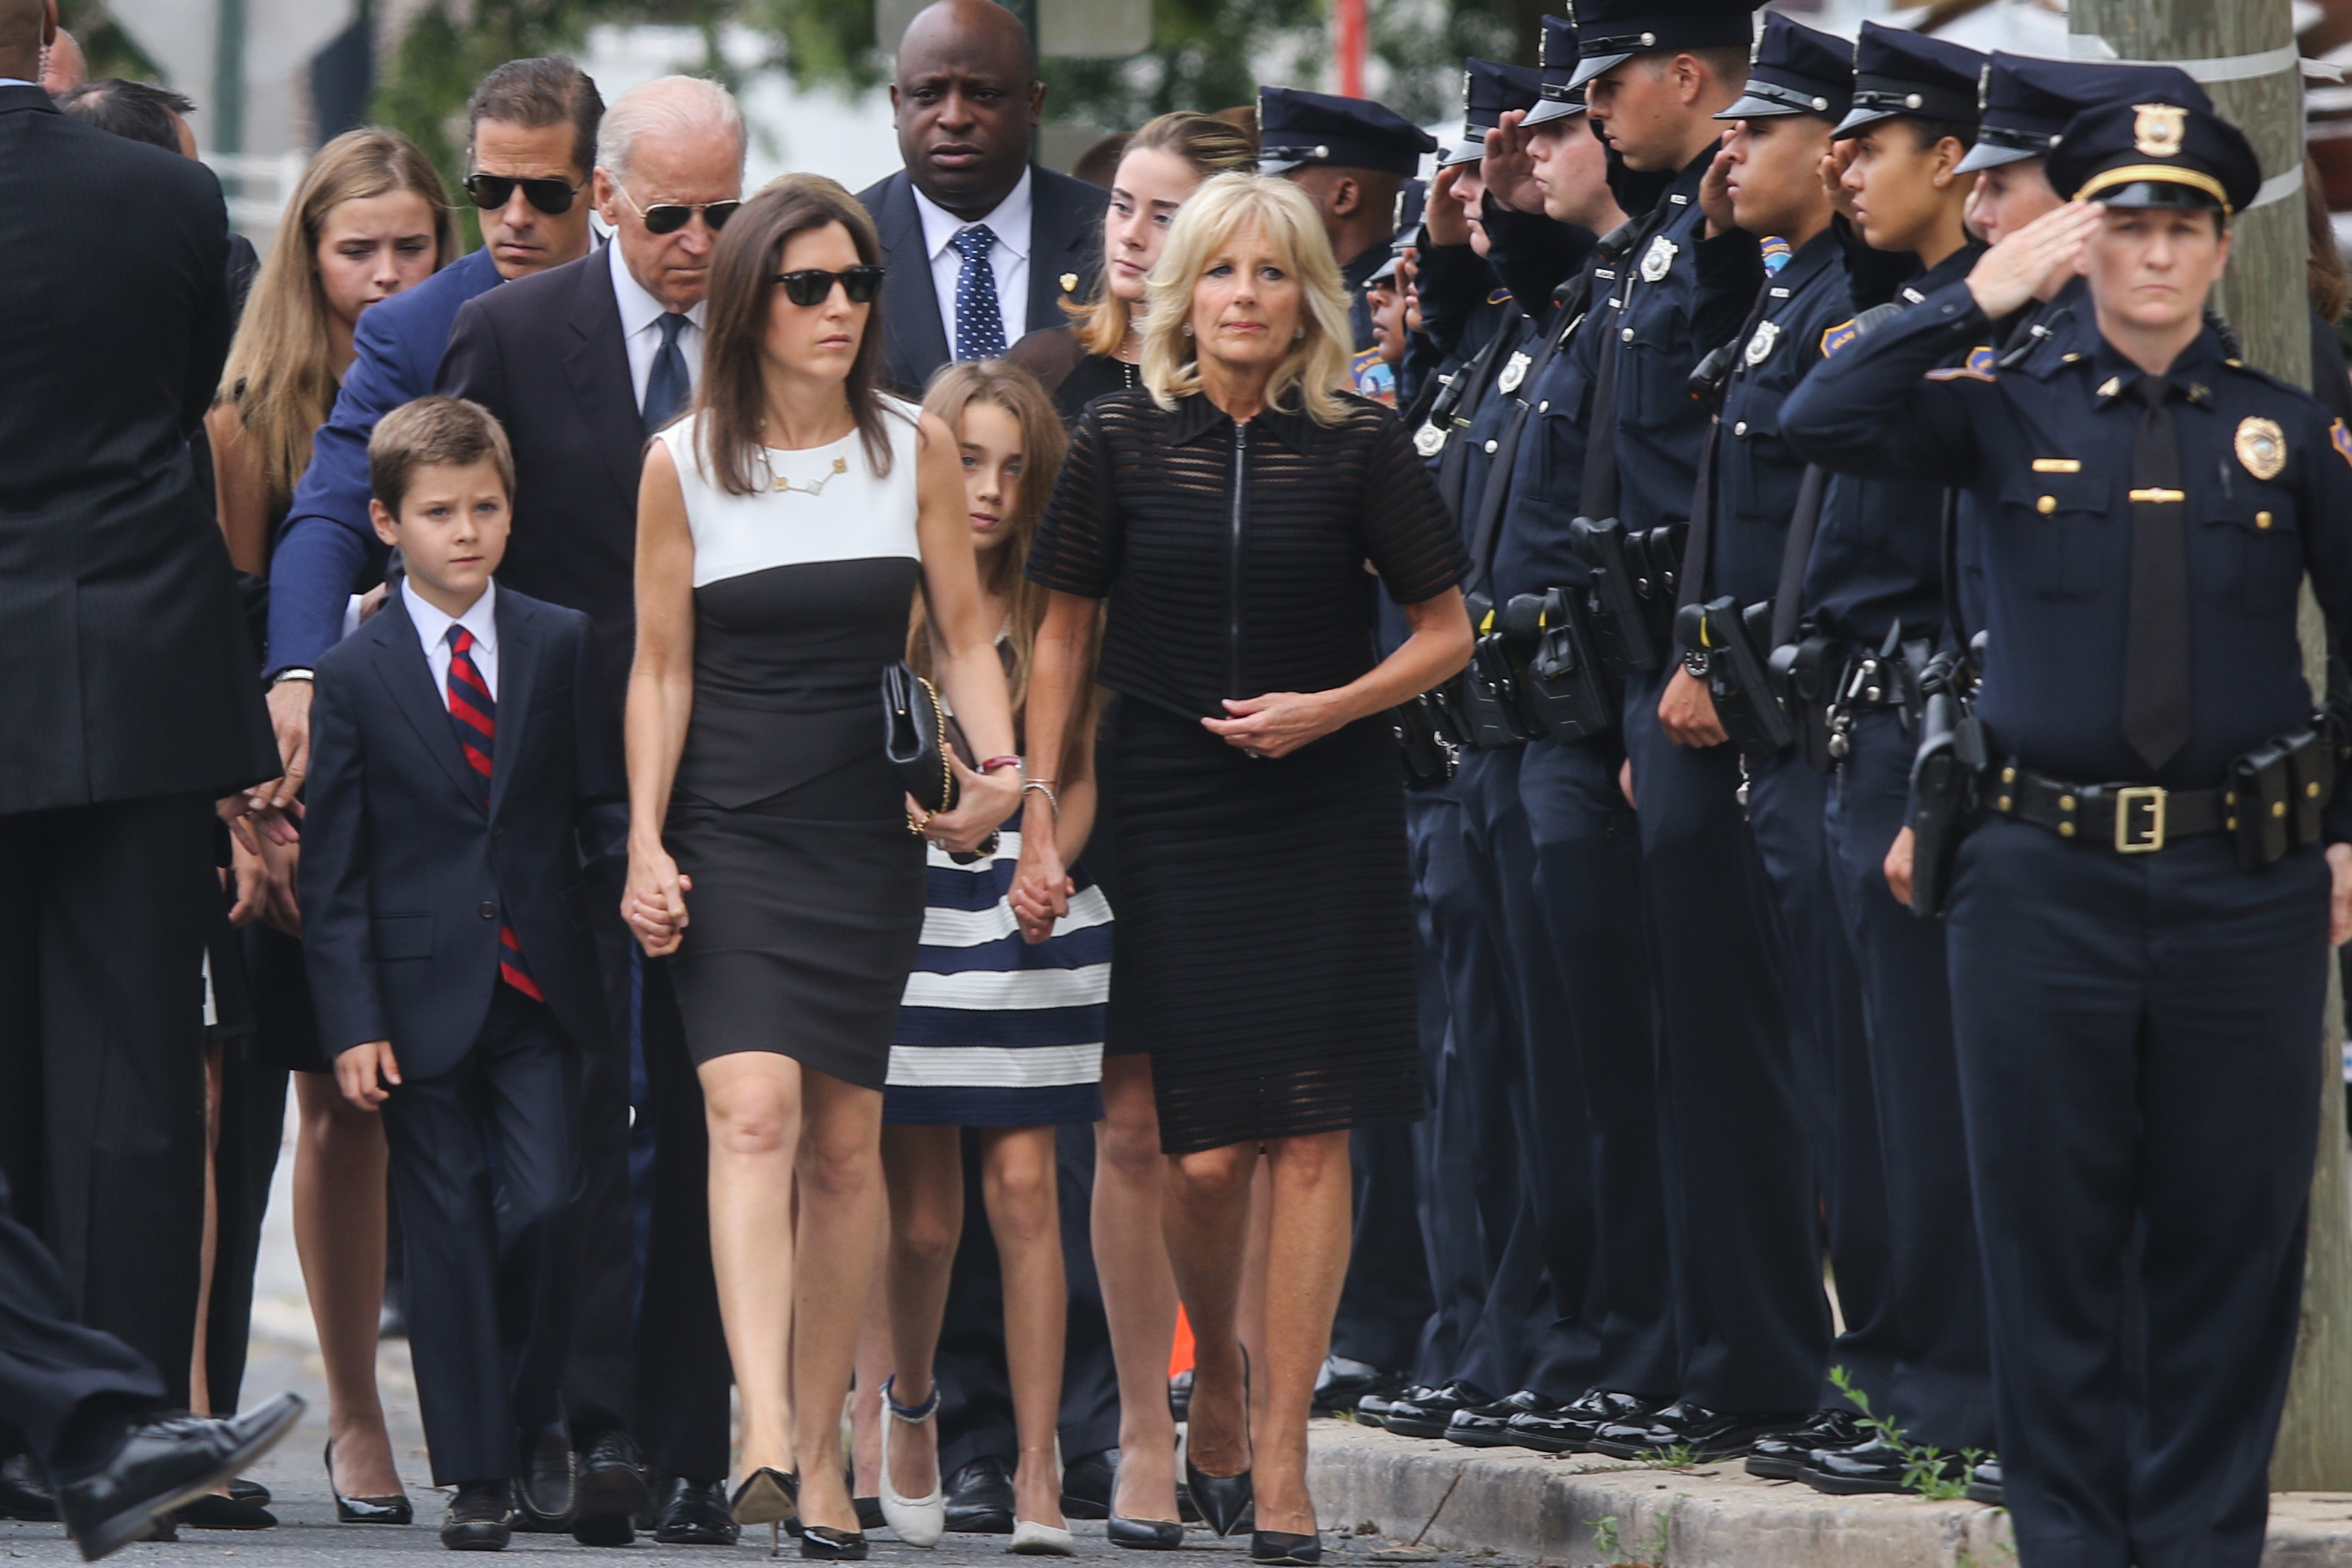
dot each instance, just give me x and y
(1264, 943)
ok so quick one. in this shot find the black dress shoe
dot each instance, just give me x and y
(1570, 1429)
(1878, 1465)
(213, 1511)
(1782, 1455)
(607, 1489)
(980, 1498)
(1272, 1547)
(1144, 1534)
(1984, 1485)
(1372, 1409)
(1425, 1412)
(161, 1463)
(1179, 1396)
(825, 1545)
(24, 1494)
(1488, 1425)
(393, 1510)
(1343, 1385)
(543, 1482)
(1707, 1435)
(480, 1518)
(869, 1513)
(1087, 1481)
(250, 1491)
(694, 1513)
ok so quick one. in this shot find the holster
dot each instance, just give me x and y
(1947, 782)
(1806, 674)
(1628, 645)
(1429, 754)
(1563, 691)
(1736, 675)
(1484, 717)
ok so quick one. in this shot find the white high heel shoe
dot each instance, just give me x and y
(918, 1520)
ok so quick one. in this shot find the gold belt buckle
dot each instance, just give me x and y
(2129, 840)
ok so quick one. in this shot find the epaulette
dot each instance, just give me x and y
(2250, 371)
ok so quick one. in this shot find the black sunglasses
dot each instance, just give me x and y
(668, 217)
(811, 286)
(491, 191)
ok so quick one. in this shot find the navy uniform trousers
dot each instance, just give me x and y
(1830, 1049)
(2137, 1039)
(57, 1375)
(1942, 1391)
(1741, 1204)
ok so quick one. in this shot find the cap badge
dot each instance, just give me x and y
(2262, 447)
(1761, 346)
(1069, 283)
(1515, 370)
(2158, 128)
(1659, 259)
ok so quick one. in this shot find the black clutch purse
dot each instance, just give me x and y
(919, 736)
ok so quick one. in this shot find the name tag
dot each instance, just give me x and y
(2057, 466)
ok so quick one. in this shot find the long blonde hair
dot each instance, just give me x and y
(1211, 147)
(1043, 443)
(282, 372)
(1317, 364)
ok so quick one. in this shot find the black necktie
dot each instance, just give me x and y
(667, 388)
(2155, 720)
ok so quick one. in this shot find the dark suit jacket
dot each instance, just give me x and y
(404, 871)
(126, 669)
(1064, 242)
(544, 353)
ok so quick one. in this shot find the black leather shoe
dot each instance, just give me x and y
(1488, 1425)
(1372, 1409)
(1342, 1384)
(694, 1513)
(393, 1510)
(1569, 1429)
(161, 1463)
(1984, 1485)
(1780, 1456)
(543, 1481)
(24, 1494)
(254, 1492)
(980, 1498)
(869, 1513)
(1707, 1434)
(1144, 1534)
(608, 1487)
(213, 1511)
(1274, 1549)
(480, 1517)
(1424, 1412)
(825, 1545)
(1086, 1484)
(1179, 1396)
(1878, 1465)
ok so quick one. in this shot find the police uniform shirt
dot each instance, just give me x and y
(1531, 551)
(2046, 450)
(1879, 553)
(1757, 475)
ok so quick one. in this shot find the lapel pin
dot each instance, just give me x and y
(1069, 283)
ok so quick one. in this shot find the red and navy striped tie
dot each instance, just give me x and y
(474, 713)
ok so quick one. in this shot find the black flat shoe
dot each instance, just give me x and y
(695, 1514)
(1707, 1434)
(1781, 1456)
(980, 1498)
(609, 1483)
(870, 1512)
(543, 1482)
(1179, 1396)
(254, 1492)
(1984, 1485)
(1343, 1384)
(1570, 1429)
(1087, 1481)
(393, 1510)
(24, 1494)
(1222, 1499)
(213, 1511)
(1489, 1426)
(161, 1463)
(480, 1517)
(1271, 1547)
(823, 1545)
(1874, 1468)
(1426, 1412)
(1144, 1534)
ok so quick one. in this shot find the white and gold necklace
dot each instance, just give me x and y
(778, 482)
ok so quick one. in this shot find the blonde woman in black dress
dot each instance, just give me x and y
(783, 526)
(1226, 511)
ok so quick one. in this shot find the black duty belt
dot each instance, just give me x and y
(2129, 819)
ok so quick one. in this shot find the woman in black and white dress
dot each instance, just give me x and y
(782, 528)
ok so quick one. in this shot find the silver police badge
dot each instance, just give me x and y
(1514, 371)
(1761, 346)
(1658, 259)
(1428, 441)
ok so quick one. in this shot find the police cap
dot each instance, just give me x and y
(1558, 97)
(1610, 32)
(1296, 126)
(1489, 87)
(1898, 72)
(1413, 197)
(2028, 101)
(1798, 70)
(2154, 153)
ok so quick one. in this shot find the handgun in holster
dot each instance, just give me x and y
(1663, 546)
(1806, 673)
(1561, 685)
(1627, 645)
(1484, 718)
(1946, 780)
(1737, 677)
(1429, 754)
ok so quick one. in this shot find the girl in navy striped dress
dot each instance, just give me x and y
(994, 1033)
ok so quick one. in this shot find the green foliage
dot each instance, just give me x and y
(1422, 47)
(1679, 1456)
(1604, 1538)
(1927, 1471)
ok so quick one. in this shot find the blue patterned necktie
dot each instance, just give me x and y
(666, 387)
(979, 324)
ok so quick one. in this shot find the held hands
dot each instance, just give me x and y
(1898, 876)
(654, 904)
(1508, 172)
(983, 802)
(290, 717)
(1041, 887)
(1687, 712)
(2027, 262)
(367, 1075)
(1715, 195)
(1276, 723)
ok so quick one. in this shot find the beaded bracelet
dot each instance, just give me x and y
(1044, 787)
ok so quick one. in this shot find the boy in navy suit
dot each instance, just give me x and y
(463, 769)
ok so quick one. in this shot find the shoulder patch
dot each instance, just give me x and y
(1500, 297)
(1961, 373)
(1838, 337)
(2341, 439)
(1981, 358)
(1369, 376)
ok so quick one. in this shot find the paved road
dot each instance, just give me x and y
(285, 1355)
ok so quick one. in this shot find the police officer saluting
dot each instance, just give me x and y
(2138, 929)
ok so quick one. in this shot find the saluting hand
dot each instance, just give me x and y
(1506, 169)
(2024, 264)
(1833, 167)
(1441, 218)
(1714, 194)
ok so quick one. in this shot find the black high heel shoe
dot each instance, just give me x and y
(1222, 1499)
(1274, 1549)
(393, 1509)
(771, 1497)
(822, 1543)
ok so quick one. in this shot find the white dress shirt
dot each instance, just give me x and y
(17, 81)
(641, 316)
(433, 631)
(1008, 258)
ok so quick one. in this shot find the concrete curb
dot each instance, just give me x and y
(1545, 1509)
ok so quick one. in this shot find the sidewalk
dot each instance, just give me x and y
(1447, 1498)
